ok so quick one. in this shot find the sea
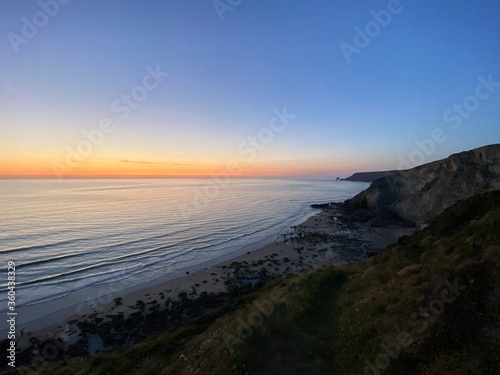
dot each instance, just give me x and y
(69, 235)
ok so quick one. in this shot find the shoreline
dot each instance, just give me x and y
(104, 292)
(323, 239)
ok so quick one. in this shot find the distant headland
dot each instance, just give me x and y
(367, 176)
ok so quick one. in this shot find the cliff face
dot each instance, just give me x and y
(416, 195)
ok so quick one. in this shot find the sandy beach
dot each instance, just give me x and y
(125, 317)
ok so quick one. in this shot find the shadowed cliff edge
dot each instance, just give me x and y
(416, 195)
(367, 176)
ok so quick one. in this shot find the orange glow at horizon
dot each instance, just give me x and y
(130, 168)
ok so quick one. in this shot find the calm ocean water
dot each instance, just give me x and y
(64, 236)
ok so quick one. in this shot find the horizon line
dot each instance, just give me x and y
(161, 177)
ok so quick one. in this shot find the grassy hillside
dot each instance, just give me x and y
(429, 304)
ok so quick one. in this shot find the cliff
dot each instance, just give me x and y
(416, 195)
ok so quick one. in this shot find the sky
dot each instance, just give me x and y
(317, 88)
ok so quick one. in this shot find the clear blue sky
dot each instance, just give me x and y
(226, 77)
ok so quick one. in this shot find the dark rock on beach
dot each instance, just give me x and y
(320, 206)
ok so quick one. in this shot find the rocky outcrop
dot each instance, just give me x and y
(320, 205)
(416, 195)
(367, 176)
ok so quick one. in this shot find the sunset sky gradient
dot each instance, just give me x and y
(228, 78)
